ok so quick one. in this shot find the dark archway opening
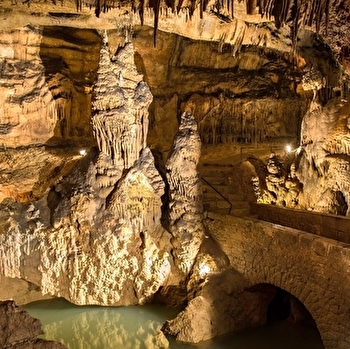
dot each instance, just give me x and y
(285, 306)
(340, 204)
(284, 315)
(279, 305)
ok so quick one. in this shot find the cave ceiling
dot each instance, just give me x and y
(329, 18)
(234, 55)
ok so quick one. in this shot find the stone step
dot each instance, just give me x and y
(240, 211)
(221, 188)
(235, 197)
(216, 200)
(214, 171)
(214, 181)
(216, 166)
(212, 177)
(209, 194)
(217, 176)
(216, 206)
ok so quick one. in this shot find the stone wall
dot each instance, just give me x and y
(329, 226)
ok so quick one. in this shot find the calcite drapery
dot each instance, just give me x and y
(132, 257)
(121, 100)
(186, 208)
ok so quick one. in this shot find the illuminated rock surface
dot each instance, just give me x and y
(101, 135)
(185, 205)
(106, 245)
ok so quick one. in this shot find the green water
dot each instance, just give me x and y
(93, 327)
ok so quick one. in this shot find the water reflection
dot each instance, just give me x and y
(92, 327)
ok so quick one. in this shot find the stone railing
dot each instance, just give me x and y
(326, 225)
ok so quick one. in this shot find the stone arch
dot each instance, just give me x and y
(314, 269)
(284, 271)
(278, 304)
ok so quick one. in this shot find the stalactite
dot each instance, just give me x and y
(311, 12)
(121, 100)
(239, 121)
(251, 5)
(339, 146)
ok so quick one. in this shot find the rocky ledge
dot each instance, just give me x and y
(18, 330)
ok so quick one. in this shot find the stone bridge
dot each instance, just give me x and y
(313, 268)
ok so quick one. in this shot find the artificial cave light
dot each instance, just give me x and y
(82, 152)
(204, 269)
(288, 148)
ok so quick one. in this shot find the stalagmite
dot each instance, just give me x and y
(186, 211)
(136, 200)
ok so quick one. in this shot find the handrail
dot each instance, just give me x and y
(217, 191)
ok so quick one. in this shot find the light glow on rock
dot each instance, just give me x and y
(204, 269)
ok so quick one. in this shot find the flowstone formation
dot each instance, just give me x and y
(28, 101)
(314, 175)
(95, 237)
(324, 160)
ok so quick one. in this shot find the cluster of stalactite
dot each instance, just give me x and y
(339, 145)
(295, 12)
(117, 138)
(250, 122)
(121, 100)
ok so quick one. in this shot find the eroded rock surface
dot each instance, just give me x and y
(93, 232)
(95, 237)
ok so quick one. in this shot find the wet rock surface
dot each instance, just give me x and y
(19, 330)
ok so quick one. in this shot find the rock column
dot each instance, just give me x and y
(186, 208)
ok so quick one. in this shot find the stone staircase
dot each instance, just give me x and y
(218, 196)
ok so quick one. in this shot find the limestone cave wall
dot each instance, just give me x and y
(101, 135)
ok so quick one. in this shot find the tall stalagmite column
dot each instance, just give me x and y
(186, 209)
